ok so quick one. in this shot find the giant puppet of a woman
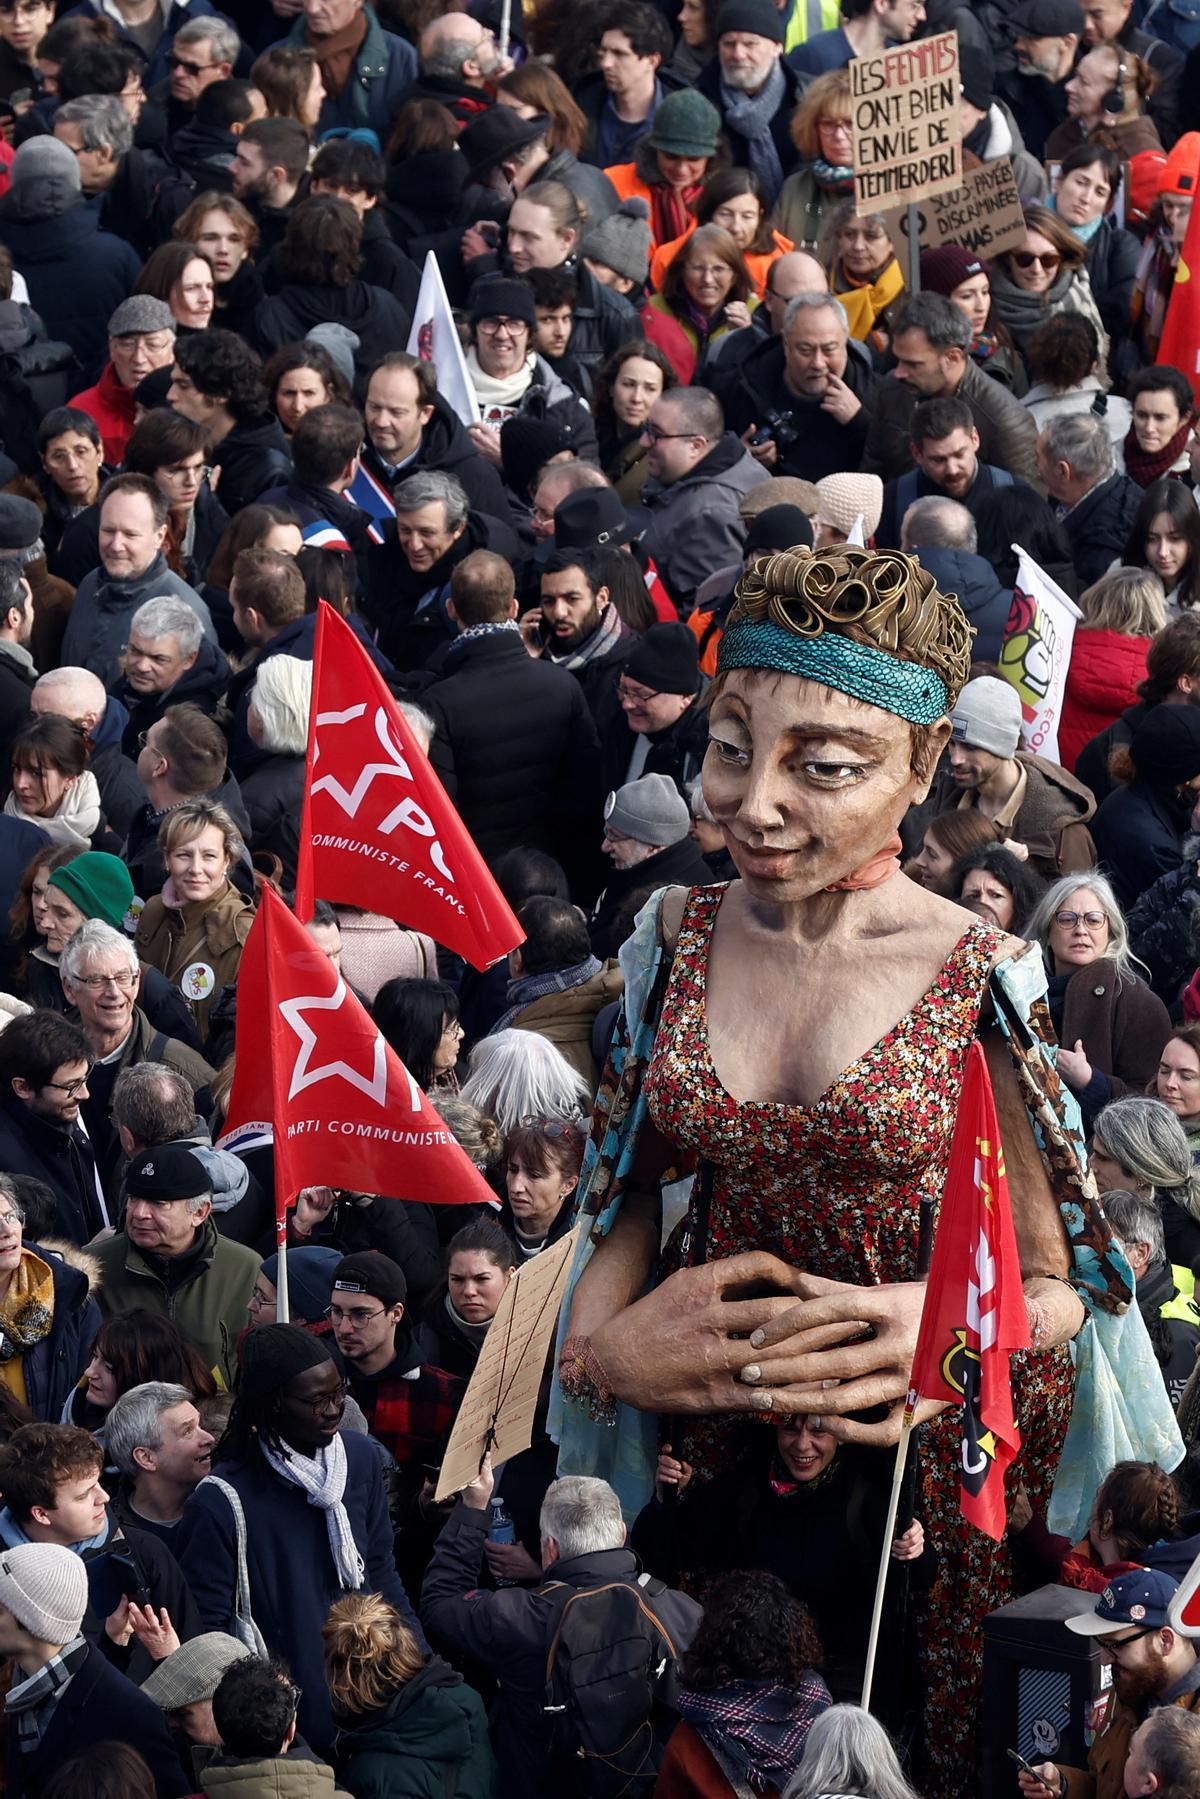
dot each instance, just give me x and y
(795, 1041)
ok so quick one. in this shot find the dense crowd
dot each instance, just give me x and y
(681, 356)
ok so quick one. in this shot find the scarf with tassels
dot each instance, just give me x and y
(27, 1311)
(1146, 466)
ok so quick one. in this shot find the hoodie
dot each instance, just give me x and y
(430, 1739)
(376, 318)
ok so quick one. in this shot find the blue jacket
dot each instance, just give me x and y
(77, 275)
(99, 1705)
(292, 1578)
(374, 94)
(821, 53)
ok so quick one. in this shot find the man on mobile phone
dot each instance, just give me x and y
(1152, 1666)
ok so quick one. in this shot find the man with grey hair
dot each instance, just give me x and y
(101, 977)
(170, 1259)
(1096, 504)
(801, 404)
(154, 1438)
(205, 50)
(167, 660)
(78, 694)
(1164, 1292)
(941, 534)
(99, 131)
(581, 1546)
(698, 474)
(435, 529)
(141, 338)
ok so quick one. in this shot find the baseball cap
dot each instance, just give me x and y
(1142, 1597)
(370, 1273)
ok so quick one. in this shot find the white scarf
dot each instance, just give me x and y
(78, 815)
(323, 1478)
(500, 395)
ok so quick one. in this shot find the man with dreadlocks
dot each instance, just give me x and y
(315, 1515)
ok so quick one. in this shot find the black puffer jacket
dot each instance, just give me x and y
(1162, 928)
(980, 594)
(376, 318)
(273, 793)
(604, 320)
(1099, 527)
(515, 747)
(252, 458)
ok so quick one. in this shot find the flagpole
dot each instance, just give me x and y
(889, 1530)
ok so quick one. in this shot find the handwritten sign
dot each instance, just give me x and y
(502, 1394)
(983, 215)
(906, 124)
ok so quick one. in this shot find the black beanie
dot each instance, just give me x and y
(1165, 746)
(502, 297)
(526, 446)
(779, 528)
(273, 1355)
(666, 660)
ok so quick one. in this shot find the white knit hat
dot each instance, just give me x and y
(45, 1588)
(843, 497)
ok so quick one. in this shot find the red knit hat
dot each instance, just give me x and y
(945, 269)
(1182, 169)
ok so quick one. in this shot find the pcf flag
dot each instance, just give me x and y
(377, 829)
(315, 1072)
(434, 338)
(1036, 652)
(1179, 345)
(974, 1315)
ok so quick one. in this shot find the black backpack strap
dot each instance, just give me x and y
(156, 1046)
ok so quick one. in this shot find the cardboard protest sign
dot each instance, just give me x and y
(501, 1399)
(983, 215)
(904, 115)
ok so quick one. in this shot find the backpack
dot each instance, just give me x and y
(610, 1689)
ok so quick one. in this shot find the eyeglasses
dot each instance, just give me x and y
(12, 1221)
(175, 61)
(258, 1300)
(327, 1402)
(70, 1088)
(491, 327)
(1025, 259)
(549, 1127)
(1068, 920)
(96, 983)
(358, 1317)
(635, 695)
(653, 435)
(143, 739)
(1113, 1645)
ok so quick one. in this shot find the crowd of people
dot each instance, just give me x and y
(700, 398)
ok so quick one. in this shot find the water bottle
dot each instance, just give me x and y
(501, 1530)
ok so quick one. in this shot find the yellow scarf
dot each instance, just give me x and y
(26, 1315)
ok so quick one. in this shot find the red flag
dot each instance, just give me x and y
(974, 1314)
(313, 1069)
(1180, 341)
(377, 829)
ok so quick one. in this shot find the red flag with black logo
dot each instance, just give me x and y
(974, 1315)
(315, 1073)
(377, 829)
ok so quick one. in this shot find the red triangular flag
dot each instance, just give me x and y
(377, 829)
(1180, 342)
(974, 1314)
(315, 1072)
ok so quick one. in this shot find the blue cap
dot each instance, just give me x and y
(1142, 1597)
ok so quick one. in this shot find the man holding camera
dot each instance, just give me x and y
(801, 402)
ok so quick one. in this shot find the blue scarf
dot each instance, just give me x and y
(528, 987)
(751, 115)
(1085, 233)
(12, 1536)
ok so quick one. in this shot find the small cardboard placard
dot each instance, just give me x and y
(502, 1394)
(904, 115)
(983, 215)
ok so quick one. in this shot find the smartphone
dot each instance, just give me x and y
(489, 231)
(1026, 1768)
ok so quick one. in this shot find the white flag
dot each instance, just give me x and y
(434, 338)
(1036, 652)
(858, 532)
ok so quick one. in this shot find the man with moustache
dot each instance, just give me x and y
(1152, 1666)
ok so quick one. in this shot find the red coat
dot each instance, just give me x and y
(112, 406)
(1101, 682)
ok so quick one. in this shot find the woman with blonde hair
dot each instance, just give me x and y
(410, 1726)
(864, 270)
(1121, 613)
(193, 931)
(706, 292)
(821, 132)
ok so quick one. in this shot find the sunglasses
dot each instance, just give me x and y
(1025, 259)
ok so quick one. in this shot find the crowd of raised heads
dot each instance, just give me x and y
(546, 344)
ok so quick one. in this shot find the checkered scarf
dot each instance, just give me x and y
(759, 1726)
(32, 1702)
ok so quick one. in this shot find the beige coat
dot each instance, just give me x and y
(197, 946)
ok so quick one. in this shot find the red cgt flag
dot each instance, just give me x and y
(313, 1069)
(377, 829)
(974, 1314)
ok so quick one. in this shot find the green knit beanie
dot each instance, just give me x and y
(99, 885)
(685, 124)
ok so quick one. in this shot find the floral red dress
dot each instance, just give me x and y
(835, 1188)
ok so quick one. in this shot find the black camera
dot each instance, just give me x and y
(780, 427)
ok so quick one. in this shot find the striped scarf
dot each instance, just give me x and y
(759, 1725)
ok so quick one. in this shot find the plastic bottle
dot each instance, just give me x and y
(501, 1529)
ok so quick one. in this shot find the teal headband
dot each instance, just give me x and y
(903, 688)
